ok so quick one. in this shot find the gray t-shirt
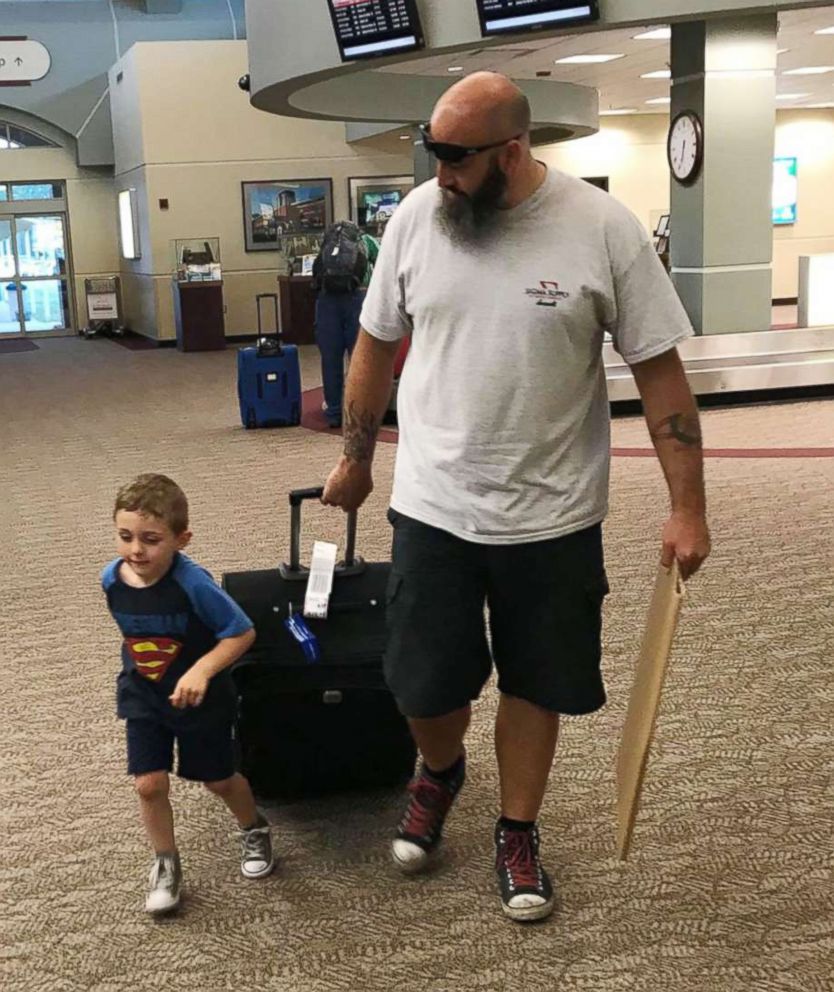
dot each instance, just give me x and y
(503, 408)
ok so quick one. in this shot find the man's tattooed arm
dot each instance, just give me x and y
(672, 417)
(360, 430)
(682, 427)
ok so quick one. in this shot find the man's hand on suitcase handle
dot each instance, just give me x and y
(348, 485)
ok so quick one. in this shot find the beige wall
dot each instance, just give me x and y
(809, 135)
(185, 132)
(90, 206)
(631, 151)
(126, 113)
(196, 140)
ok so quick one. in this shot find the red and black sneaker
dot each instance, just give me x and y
(526, 892)
(421, 827)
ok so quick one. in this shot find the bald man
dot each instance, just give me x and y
(507, 274)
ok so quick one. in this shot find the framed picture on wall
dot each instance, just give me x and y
(276, 209)
(373, 199)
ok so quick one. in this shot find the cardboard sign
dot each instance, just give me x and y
(644, 701)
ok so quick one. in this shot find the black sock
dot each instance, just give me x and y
(448, 774)
(508, 824)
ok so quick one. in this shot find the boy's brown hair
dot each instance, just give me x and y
(155, 496)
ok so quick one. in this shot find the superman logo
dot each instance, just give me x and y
(152, 657)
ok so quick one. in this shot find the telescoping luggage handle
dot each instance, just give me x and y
(279, 330)
(352, 564)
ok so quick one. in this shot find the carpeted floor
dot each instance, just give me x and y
(729, 886)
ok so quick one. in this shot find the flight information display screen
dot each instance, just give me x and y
(368, 28)
(499, 16)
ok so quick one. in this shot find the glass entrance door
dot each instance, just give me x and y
(34, 288)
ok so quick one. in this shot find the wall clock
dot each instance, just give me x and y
(685, 146)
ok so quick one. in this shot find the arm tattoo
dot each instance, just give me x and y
(361, 429)
(683, 427)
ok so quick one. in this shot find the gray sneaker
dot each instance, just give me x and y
(256, 860)
(166, 885)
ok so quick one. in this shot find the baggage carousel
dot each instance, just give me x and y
(739, 363)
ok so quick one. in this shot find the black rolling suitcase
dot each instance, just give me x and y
(308, 728)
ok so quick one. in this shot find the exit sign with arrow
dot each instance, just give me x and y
(22, 61)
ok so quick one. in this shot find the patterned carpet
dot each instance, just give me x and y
(729, 886)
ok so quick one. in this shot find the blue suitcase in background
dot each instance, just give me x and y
(269, 377)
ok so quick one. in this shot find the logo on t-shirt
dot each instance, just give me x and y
(152, 657)
(548, 294)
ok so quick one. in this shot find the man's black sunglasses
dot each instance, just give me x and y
(455, 153)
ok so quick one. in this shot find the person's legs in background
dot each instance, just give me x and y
(352, 310)
(330, 320)
(352, 314)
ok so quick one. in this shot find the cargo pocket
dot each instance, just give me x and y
(392, 590)
(596, 591)
(393, 648)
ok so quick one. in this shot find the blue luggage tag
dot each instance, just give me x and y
(306, 638)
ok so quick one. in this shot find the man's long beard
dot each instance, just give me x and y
(471, 220)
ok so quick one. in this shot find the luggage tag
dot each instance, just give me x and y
(320, 580)
(306, 638)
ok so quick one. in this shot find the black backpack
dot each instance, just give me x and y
(343, 258)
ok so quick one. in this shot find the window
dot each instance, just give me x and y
(4, 192)
(37, 191)
(12, 136)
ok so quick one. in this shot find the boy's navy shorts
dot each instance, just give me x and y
(205, 752)
(544, 601)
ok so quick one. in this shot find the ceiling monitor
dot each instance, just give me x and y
(501, 16)
(370, 28)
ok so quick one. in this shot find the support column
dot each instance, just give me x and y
(721, 234)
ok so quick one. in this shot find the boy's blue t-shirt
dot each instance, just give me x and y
(166, 628)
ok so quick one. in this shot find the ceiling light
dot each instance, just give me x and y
(660, 99)
(809, 70)
(819, 106)
(782, 51)
(618, 111)
(656, 34)
(586, 59)
(455, 68)
(658, 74)
(825, 31)
(791, 96)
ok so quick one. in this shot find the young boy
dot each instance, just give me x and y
(181, 633)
